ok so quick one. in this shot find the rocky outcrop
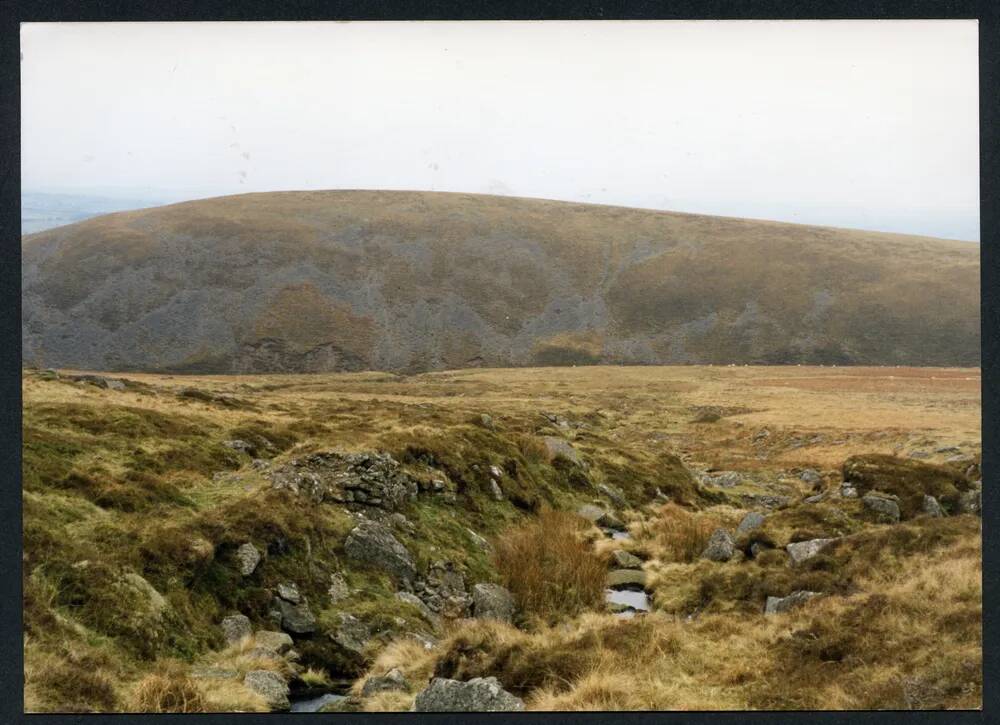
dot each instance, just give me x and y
(358, 480)
(750, 522)
(492, 601)
(296, 617)
(720, 546)
(884, 508)
(778, 605)
(482, 694)
(269, 685)
(801, 551)
(443, 590)
(373, 544)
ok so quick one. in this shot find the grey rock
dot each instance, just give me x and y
(486, 421)
(496, 493)
(919, 454)
(559, 448)
(296, 618)
(358, 480)
(351, 634)
(723, 479)
(478, 541)
(885, 508)
(492, 601)
(590, 512)
(496, 473)
(269, 685)
(235, 628)
(848, 491)
(417, 602)
(616, 496)
(803, 550)
(777, 605)
(391, 681)
(960, 458)
(279, 642)
(289, 592)
(240, 445)
(247, 558)
(971, 502)
(750, 522)
(810, 475)
(624, 560)
(767, 500)
(610, 520)
(948, 449)
(372, 544)
(931, 507)
(338, 589)
(720, 546)
(482, 694)
(814, 499)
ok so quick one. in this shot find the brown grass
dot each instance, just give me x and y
(678, 534)
(169, 689)
(549, 568)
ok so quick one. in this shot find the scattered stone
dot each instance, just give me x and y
(492, 601)
(417, 602)
(761, 435)
(885, 508)
(242, 446)
(496, 473)
(236, 627)
(960, 458)
(99, 381)
(971, 502)
(848, 491)
(478, 541)
(814, 499)
(765, 500)
(626, 578)
(919, 454)
(707, 415)
(373, 544)
(391, 681)
(443, 590)
(351, 634)
(753, 520)
(616, 496)
(355, 479)
(723, 479)
(948, 449)
(289, 592)
(486, 421)
(720, 546)
(278, 642)
(777, 605)
(811, 476)
(482, 694)
(338, 588)
(757, 547)
(590, 512)
(269, 685)
(610, 520)
(247, 558)
(558, 448)
(932, 508)
(624, 560)
(496, 493)
(803, 550)
(296, 618)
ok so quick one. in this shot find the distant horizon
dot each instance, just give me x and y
(147, 198)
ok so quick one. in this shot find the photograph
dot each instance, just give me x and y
(499, 366)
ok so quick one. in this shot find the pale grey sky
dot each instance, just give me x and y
(868, 124)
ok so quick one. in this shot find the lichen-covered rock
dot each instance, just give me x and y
(235, 628)
(391, 681)
(482, 694)
(269, 685)
(417, 602)
(810, 476)
(610, 520)
(338, 589)
(559, 448)
(803, 550)
(932, 508)
(885, 508)
(247, 558)
(296, 618)
(373, 544)
(723, 479)
(778, 605)
(351, 633)
(970, 502)
(613, 493)
(624, 560)
(590, 512)
(720, 546)
(354, 479)
(289, 592)
(492, 601)
(753, 520)
(279, 642)
(626, 578)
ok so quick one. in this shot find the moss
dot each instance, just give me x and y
(908, 479)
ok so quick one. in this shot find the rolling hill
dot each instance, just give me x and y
(415, 281)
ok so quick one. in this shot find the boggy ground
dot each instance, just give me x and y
(136, 504)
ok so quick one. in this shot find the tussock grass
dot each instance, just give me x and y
(168, 689)
(549, 567)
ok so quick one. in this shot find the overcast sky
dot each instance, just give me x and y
(870, 124)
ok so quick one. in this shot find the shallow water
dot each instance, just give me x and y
(313, 704)
(637, 600)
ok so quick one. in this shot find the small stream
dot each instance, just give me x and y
(311, 702)
(635, 598)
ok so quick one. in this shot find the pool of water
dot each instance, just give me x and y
(617, 535)
(635, 600)
(313, 703)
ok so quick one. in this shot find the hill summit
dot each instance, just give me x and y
(413, 281)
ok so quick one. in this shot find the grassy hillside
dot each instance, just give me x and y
(137, 502)
(414, 281)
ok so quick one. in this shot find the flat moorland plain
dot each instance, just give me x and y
(138, 499)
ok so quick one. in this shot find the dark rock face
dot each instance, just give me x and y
(373, 480)
(373, 544)
(482, 694)
(412, 281)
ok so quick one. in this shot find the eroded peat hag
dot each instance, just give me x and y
(537, 538)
